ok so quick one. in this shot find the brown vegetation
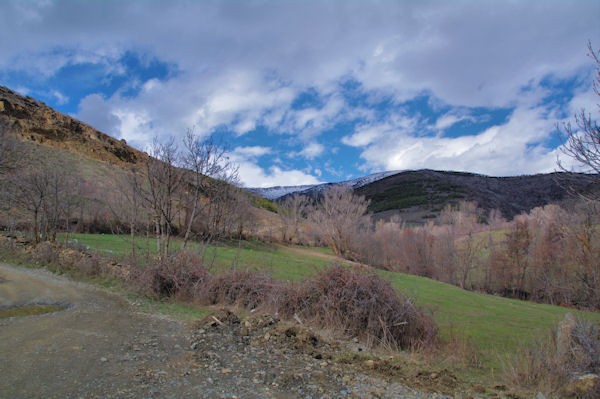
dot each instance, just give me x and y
(351, 302)
(550, 255)
(559, 361)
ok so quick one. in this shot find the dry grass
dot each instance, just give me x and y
(544, 366)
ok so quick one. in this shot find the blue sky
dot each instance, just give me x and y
(315, 91)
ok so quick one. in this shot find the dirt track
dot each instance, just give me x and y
(101, 346)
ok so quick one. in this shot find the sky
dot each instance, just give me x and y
(316, 91)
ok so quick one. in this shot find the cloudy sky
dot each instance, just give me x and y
(312, 91)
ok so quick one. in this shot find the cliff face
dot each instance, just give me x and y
(34, 121)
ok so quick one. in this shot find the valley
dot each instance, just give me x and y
(461, 250)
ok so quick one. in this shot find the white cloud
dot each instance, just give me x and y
(252, 175)
(312, 150)
(60, 98)
(447, 120)
(241, 64)
(465, 52)
(515, 147)
(96, 112)
(251, 152)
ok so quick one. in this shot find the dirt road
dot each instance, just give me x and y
(101, 346)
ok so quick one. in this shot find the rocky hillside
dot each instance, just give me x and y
(34, 121)
(422, 194)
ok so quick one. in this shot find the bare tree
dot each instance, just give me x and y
(8, 148)
(31, 189)
(164, 180)
(582, 141)
(128, 206)
(292, 212)
(207, 159)
(338, 217)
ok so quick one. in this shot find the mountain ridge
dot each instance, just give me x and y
(420, 195)
(276, 192)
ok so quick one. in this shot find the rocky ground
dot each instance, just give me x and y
(101, 346)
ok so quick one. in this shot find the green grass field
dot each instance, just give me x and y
(496, 326)
(280, 262)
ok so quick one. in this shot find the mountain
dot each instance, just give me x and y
(277, 192)
(421, 194)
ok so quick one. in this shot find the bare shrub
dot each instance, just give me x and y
(89, 266)
(543, 365)
(338, 219)
(45, 253)
(238, 287)
(179, 276)
(363, 305)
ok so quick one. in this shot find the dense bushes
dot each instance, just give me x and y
(350, 301)
(362, 304)
(179, 275)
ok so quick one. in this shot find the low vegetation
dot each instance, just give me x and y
(552, 361)
(478, 333)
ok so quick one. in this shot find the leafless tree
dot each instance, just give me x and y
(128, 207)
(8, 148)
(582, 140)
(207, 159)
(31, 189)
(164, 180)
(292, 211)
(338, 217)
(61, 200)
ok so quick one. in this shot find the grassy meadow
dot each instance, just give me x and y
(495, 326)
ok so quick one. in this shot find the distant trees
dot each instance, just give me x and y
(49, 192)
(338, 217)
(549, 255)
(292, 212)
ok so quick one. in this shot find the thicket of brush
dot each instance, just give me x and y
(352, 302)
(347, 300)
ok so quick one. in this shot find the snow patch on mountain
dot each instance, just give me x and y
(274, 193)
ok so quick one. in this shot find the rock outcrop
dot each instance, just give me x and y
(33, 121)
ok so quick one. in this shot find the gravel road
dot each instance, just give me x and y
(102, 346)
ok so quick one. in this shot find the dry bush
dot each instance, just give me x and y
(363, 305)
(240, 288)
(180, 275)
(45, 253)
(89, 265)
(9, 246)
(543, 365)
(68, 259)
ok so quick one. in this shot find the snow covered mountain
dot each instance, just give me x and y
(277, 192)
